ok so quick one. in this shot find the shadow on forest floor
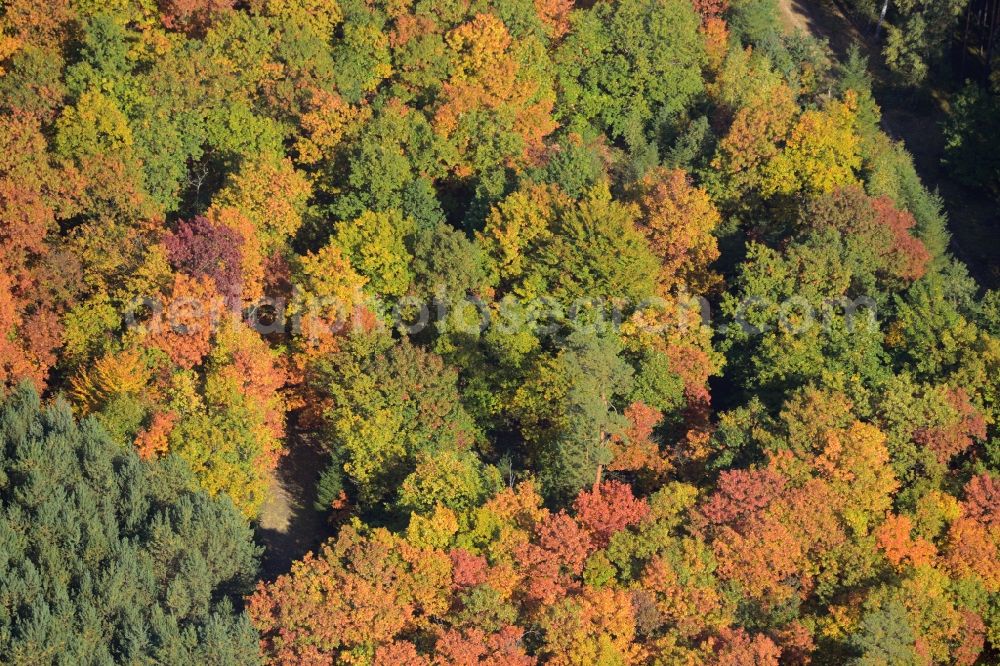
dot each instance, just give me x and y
(289, 526)
(913, 117)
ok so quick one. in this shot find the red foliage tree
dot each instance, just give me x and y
(911, 254)
(796, 644)
(882, 230)
(554, 15)
(949, 439)
(200, 248)
(152, 441)
(761, 557)
(895, 540)
(33, 286)
(609, 508)
(982, 500)
(358, 593)
(475, 647)
(637, 449)
(398, 653)
(736, 647)
(710, 9)
(193, 16)
(739, 495)
(554, 563)
(973, 639)
(467, 569)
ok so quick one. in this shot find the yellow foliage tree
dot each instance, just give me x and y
(754, 139)
(375, 242)
(823, 152)
(272, 195)
(325, 125)
(113, 374)
(329, 294)
(678, 220)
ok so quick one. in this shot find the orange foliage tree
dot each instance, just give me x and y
(679, 219)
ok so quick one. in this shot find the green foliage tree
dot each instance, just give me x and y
(629, 67)
(395, 419)
(970, 139)
(785, 326)
(917, 36)
(124, 561)
(885, 636)
(567, 410)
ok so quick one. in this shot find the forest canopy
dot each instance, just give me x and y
(621, 330)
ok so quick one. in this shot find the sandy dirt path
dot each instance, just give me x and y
(289, 525)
